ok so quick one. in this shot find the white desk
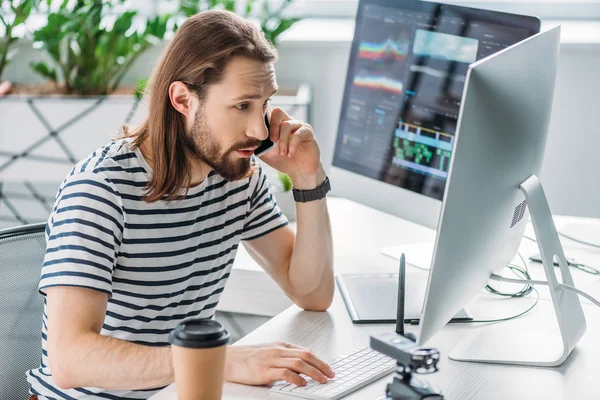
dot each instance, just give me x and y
(359, 233)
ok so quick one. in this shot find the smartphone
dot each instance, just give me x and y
(266, 144)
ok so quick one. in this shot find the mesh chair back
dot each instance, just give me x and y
(21, 307)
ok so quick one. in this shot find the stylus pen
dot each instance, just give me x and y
(400, 305)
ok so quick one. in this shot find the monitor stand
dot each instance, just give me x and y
(533, 348)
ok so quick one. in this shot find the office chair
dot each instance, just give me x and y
(21, 256)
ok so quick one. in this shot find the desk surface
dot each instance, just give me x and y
(359, 234)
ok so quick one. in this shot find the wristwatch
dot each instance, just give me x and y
(304, 196)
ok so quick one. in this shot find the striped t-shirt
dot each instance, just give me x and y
(160, 263)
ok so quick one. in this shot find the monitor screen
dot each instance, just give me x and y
(405, 81)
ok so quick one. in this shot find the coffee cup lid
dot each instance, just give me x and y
(199, 334)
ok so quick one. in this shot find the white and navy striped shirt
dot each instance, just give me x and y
(160, 263)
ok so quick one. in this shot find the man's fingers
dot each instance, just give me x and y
(286, 130)
(284, 374)
(275, 120)
(299, 366)
(311, 359)
(302, 134)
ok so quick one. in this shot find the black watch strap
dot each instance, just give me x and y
(304, 196)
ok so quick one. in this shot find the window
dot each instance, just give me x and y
(545, 9)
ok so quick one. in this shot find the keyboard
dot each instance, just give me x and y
(352, 372)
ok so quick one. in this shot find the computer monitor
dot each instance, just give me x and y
(492, 188)
(403, 91)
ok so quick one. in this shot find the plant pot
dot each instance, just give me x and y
(285, 201)
(42, 137)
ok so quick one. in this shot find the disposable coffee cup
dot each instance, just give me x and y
(198, 348)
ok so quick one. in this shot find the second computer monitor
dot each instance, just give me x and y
(402, 96)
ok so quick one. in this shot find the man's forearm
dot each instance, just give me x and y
(113, 364)
(311, 264)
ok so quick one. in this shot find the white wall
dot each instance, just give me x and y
(571, 172)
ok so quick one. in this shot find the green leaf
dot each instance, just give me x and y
(283, 25)
(157, 27)
(43, 69)
(123, 23)
(140, 88)
(229, 5)
(63, 6)
(20, 17)
(249, 6)
(285, 180)
(189, 7)
(188, 11)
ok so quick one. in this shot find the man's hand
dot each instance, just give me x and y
(266, 363)
(301, 263)
(297, 152)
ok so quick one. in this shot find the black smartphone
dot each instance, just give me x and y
(266, 144)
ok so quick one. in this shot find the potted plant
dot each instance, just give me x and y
(284, 196)
(9, 21)
(81, 105)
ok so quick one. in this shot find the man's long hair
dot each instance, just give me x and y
(197, 56)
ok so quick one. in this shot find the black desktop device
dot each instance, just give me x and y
(402, 96)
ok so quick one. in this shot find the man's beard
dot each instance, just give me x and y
(202, 144)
